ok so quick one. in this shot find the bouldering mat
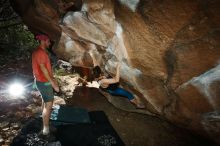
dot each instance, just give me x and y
(97, 133)
(69, 114)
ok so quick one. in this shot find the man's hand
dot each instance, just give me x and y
(55, 85)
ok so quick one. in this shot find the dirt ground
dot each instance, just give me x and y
(136, 129)
(133, 128)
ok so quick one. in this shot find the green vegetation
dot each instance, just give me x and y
(16, 40)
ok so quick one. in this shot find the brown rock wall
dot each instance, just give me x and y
(169, 50)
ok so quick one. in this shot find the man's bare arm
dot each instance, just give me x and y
(114, 79)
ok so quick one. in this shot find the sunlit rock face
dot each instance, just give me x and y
(169, 52)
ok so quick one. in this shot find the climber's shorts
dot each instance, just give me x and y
(46, 90)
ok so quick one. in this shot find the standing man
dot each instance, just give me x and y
(45, 82)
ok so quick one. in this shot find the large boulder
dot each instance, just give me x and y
(168, 50)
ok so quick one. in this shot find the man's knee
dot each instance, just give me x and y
(48, 105)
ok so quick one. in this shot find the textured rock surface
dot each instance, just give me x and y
(169, 53)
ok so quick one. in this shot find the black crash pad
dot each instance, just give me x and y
(98, 133)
